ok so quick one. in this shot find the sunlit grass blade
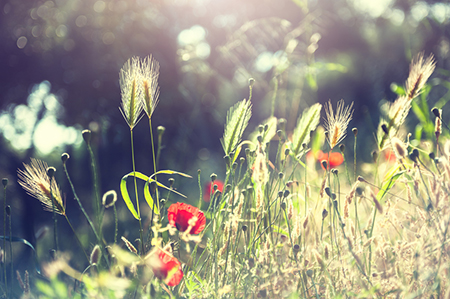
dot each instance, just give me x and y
(20, 240)
(171, 172)
(307, 122)
(148, 197)
(237, 120)
(126, 196)
(389, 182)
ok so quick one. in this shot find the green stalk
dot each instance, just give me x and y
(136, 192)
(154, 161)
(354, 156)
(116, 224)
(274, 96)
(55, 221)
(10, 249)
(5, 183)
(97, 204)
(76, 237)
(80, 205)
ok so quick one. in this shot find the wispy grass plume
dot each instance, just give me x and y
(130, 78)
(36, 182)
(307, 122)
(420, 70)
(336, 124)
(237, 120)
(150, 74)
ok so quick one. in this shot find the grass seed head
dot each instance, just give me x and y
(336, 124)
(36, 181)
(150, 73)
(130, 79)
(419, 72)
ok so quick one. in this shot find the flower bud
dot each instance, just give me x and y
(65, 157)
(51, 171)
(87, 136)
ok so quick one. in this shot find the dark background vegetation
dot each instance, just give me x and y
(320, 50)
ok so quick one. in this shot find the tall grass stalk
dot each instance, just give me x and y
(97, 202)
(50, 172)
(8, 213)
(5, 184)
(137, 196)
(64, 159)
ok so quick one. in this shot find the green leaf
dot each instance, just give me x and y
(20, 240)
(237, 120)
(126, 196)
(171, 172)
(391, 177)
(306, 123)
(148, 197)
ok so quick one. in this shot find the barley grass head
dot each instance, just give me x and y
(336, 124)
(150, 75)
(420, 70)
(130, 79)
(36, 182)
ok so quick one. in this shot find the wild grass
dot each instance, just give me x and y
(284, 225)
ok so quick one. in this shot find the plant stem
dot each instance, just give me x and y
(4, 241)
(55, 221)
(154, 161)
(136, 192)
(116, 224)
(76, 237)
(81, 206)
(97, 203)
(11, 253)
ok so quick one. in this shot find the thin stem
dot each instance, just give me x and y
(97, 203)
(81, 206)
(55, 221)
(4, 241)
(116, 224)
(136, 192)
(76, 237)
(354, 159)
(274, 96)
(11, 252)
(154, 160)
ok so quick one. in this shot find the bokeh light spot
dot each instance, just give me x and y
(22, 42)
(61, 31)
(81, 21)
(99, 6)
(264, 62)
(108, 38)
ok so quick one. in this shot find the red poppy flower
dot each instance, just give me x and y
(336, 158)
(209, 189)
(166, 267)
(182, 216)
(389, 155)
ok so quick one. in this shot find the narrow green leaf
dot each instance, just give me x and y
(389, 181)
(171, 172)
(149, 198)
(126, 196)
(147, 195)
(20, 240)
